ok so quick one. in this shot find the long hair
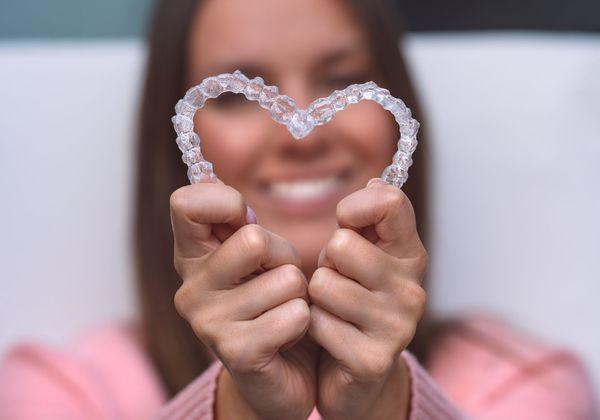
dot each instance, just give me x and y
(177, 354)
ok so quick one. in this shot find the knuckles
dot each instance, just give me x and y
(317, 287)
(254, 239)
(181, 300)
(300, 313)
(293, 280)
(414, 298)
(393, 198)
(394, 201)
(241, 353)
(340, 243)
(179, 200)
(186, 299)
(200, 318)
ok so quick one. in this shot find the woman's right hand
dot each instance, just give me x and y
(246, 298)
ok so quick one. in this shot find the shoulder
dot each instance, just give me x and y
(483, 360)
(102, 368)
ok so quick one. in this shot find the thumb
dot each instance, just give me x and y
(250, 214)
(374, 181)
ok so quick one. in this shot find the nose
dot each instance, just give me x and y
(296, 87)
(317, 144)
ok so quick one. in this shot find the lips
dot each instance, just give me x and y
(304, 190)
(309, 194)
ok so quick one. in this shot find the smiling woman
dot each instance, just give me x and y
(258, 157)
(251, 152)
(282, 315)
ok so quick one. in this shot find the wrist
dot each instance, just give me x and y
(394, 400)
(230, 404)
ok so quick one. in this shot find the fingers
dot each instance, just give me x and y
(343, 341)
(196, 208)
(250, 248)
(345, 298)
(355, 257)
(280, 326)
(390, 212)
(211, 308)
(378, 315)
(267, 312)
(246, 346)
(266, 291)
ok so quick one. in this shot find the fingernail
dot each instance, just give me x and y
(250, 216)
(374, 181)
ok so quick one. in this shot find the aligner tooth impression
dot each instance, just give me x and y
(299, 122)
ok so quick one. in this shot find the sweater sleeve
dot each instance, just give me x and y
(427, 401)
(555, 386)
(514, 396)
(37, 383)
(196, 400)
(552, 387)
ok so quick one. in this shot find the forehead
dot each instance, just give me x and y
(275, 33)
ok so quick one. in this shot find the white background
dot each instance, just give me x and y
(514, 120)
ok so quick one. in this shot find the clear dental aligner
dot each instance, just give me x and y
(298, 121)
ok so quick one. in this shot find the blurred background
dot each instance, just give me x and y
(511, 91)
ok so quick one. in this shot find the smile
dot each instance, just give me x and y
(306, 189)
(308, 197)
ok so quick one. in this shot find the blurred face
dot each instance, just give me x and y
(307, 48)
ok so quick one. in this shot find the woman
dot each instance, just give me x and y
(280, 314)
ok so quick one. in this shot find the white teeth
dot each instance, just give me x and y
(304, 189)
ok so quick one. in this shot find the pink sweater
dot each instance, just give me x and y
(105, 374)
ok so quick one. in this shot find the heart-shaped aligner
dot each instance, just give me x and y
(298, 121)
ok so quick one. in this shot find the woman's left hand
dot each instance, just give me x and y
(366, 300)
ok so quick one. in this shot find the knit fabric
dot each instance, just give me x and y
(105, 374)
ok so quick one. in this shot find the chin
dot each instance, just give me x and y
(308, 236)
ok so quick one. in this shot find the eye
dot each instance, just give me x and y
(341, 81)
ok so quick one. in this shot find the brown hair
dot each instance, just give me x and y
(177, 354)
